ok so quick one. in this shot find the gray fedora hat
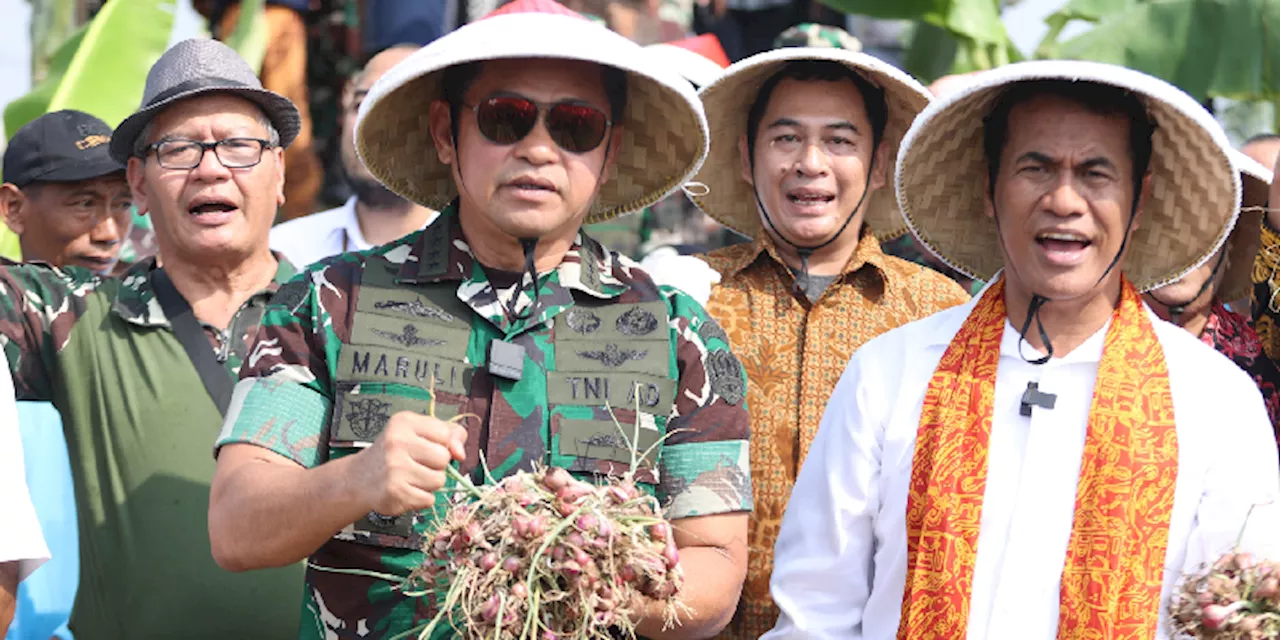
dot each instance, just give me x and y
(197, 67)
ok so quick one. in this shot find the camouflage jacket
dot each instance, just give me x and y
(138, 424)
(361, 336)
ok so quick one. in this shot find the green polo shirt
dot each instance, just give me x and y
(139, 427)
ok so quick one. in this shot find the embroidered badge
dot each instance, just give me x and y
(603, 440)
(612, 356)
(725, 373)
(582, 321)
(637, 322)
(292, 294)
(710, 329)
(408, 338)
(380, 521)
(367, 417)
(415, 308)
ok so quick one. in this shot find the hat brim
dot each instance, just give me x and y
(1246, 237)
(1192, 204)
(279, 110)
(664, 130)
(692, 66)
(79, 171)
(730, 199)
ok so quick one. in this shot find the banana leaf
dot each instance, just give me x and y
(101, 70)
(975, 20)
(52, 23)
(1222, 48)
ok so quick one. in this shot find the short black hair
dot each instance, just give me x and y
(1097, 98)
(819, 71)
(1261, 137)
(456, 80)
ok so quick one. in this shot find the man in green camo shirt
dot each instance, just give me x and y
(327, 452)
(204, 156)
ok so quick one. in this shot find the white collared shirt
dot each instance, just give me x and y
(841, 559)
(21, 540)
(313, 238)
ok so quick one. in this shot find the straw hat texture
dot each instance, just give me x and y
(1195, 189)
(1246, 237)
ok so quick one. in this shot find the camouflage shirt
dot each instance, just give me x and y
(361, 336)
(138, 424)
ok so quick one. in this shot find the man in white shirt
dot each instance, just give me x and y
(1050, 468)
(22, 547)
(374, 215)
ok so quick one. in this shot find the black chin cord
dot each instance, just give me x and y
(806, 252)
(1176, 310)
(1038, 301)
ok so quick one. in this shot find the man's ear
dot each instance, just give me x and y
(135, 174)
(1143, 198)
(13, 207)
(280, 176)
(880, 171)
(744, 154)
(987, 194)
(440, 121)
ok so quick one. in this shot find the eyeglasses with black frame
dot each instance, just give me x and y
(233, 153)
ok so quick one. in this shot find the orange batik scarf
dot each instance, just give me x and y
(1114, 569)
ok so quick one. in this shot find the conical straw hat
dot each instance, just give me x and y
(665, 135)
(1195, 190)
(728, 198)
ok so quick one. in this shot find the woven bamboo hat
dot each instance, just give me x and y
(728, 198)
(1195, 190)
(1246, 237)
(665, 132)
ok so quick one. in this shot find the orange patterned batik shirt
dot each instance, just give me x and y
(793, 353)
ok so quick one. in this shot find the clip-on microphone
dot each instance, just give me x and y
(1034, 397)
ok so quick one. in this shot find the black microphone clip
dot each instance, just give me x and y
(1034, 397)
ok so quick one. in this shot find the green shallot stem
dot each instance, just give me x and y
(358, 572)
(551, 536)
(463, 481)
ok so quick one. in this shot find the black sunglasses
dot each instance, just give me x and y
(574, 126)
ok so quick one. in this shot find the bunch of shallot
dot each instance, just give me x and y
(543, 556)
(1238, 598)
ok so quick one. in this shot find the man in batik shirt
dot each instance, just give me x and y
(500, 309)
(810, 136)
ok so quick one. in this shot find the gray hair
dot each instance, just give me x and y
(141, 146)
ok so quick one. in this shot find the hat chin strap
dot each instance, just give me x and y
(1177, 309)
(1038, 301)
(528, 245)
(803, 251)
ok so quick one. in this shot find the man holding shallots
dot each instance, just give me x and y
(518, 128)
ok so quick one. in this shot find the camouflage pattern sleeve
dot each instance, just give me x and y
(285, 394)
(704, 466)
(39, 305)
(1266, 291)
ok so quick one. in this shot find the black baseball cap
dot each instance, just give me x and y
(62, 146)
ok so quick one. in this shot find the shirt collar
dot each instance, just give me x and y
(441, 254)
(351, 227)
(136, 302)
(867, 253)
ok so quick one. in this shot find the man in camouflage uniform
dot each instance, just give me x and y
(327, 453)
(108, 353)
